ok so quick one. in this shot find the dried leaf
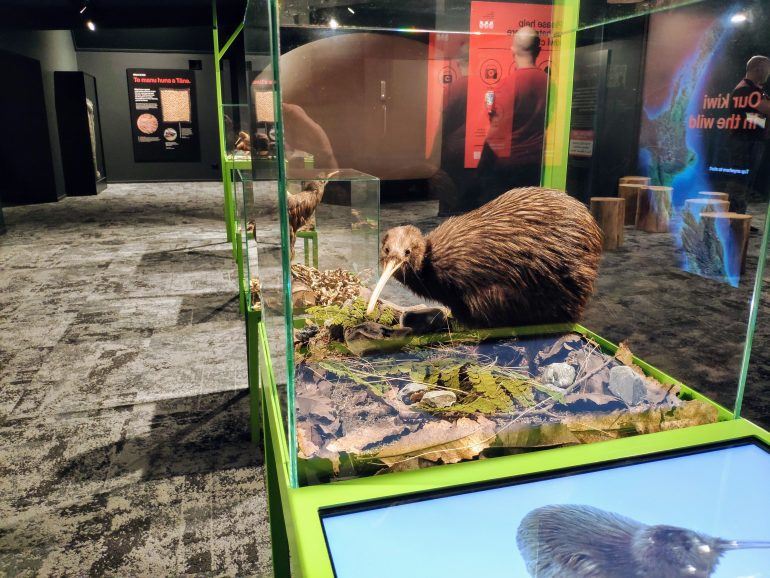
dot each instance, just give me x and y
(540, 436)
(568, 342)
(660, 394)
(590, 402)
(305, 446)
(601, 426)
(624, 355)
(467, 439)
(365, 436)
(657, 392)
(334, 286)
(691, 413)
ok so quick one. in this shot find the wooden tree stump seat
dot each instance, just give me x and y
(630, 192)
(653, 209)
(732, 230)
(714, 195)
(609, 213)
(634, 180)
(707, 205)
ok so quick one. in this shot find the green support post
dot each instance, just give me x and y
(242, 289)
(228, 207)
(566, 14)
(310, 245)
(253, 318)
(278, 537)
(225, 164)
(275, 474)
(756, 297)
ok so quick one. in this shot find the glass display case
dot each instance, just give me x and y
(236, 121)
(336, 237)
(566, 244)
(498, 332)
(80, 133)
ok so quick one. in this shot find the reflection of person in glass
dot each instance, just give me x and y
(302, 133)
(749, 103)
(513, 148)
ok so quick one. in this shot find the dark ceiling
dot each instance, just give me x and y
(65, 14)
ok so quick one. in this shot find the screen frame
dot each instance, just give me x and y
(425, 496)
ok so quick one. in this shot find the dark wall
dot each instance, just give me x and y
(109, 69)
(26, 162)
(55, 51)
(617, 118)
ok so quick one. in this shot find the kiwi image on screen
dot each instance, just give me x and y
(175, 105)
(147, 123)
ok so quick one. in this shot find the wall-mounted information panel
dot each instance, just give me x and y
(164, 120)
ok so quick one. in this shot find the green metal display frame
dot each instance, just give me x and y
(567, 15)
(310, 244)
(228, 164)
(298, 543)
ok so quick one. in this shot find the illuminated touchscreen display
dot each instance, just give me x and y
(704, 514)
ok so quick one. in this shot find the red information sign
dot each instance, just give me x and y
(581, 143)
(490, 62)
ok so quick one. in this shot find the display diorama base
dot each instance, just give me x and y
(420, 401)
(298, 540)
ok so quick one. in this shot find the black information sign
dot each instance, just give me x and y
(164, 121)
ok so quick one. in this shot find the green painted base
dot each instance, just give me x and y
(310, 240)
(253, 320)
(294, 512)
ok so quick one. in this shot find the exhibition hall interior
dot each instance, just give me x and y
(287, 285)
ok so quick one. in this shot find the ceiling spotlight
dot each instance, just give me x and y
(738, 18)
(83, 9)
(333, 23)
(351, 10)
(90, 24)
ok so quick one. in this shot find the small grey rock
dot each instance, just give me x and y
(409, 389)
(562, 375)
(439, 398)
(626, 384)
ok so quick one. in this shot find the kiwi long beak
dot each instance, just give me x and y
(387, 273)
(746, 544)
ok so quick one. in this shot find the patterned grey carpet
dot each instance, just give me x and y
(119, 336)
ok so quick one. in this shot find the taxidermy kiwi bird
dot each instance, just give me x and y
(243, 142)
(302, 206)
(529, 256)
(566, 541)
